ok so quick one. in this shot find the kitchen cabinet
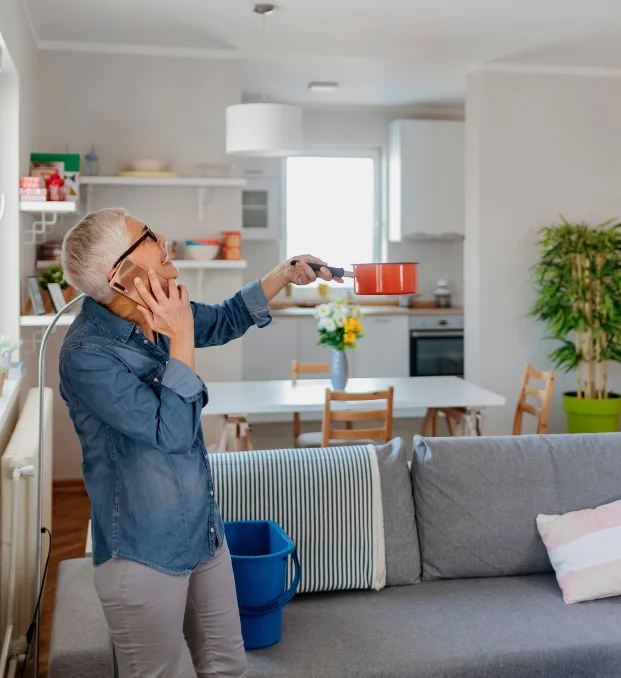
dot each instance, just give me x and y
(261, 209)
(426, 179)
(268, 352)
(384, 351)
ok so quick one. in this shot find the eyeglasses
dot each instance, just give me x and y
(147, 234)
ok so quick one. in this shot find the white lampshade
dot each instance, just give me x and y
(263, 130)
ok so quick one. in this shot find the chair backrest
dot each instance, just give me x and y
(544, 395)
(307, 368)
(351, 416)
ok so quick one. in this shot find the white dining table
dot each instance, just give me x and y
(308, 395)
(413, 395)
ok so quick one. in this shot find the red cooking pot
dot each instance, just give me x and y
(374, 279)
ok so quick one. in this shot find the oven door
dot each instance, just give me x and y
(437, 354)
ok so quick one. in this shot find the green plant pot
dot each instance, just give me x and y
(588, 415)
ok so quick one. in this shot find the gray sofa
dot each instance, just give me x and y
(488, 605)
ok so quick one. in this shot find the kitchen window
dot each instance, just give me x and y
(332, 207)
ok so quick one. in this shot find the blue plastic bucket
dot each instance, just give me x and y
(260, 550)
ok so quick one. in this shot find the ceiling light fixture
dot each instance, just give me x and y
(319, 86)
(263, 129)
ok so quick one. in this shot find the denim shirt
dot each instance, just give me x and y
(137, 413)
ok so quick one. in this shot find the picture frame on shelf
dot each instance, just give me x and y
(36, 299)
(56, 294)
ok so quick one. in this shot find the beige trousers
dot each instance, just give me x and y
(149, 613)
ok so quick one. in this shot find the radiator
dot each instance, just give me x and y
(21, 451)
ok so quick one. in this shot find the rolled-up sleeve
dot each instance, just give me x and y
(104, 386)
(183, 381)
(257, 303)
(217, 324)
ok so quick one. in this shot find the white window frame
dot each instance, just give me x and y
(375, 153)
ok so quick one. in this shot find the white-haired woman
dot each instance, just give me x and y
(163, 570)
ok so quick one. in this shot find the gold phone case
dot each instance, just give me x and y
(123, 280)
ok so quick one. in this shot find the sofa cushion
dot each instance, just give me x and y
(477, 499)
(402, 551)
(514, 627)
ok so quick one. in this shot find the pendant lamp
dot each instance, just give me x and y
(263, 129)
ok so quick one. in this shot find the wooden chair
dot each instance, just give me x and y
(306, 368)
(455, 416)
(544, 395)
(339, 436)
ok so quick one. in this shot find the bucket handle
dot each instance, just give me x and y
(282, 600)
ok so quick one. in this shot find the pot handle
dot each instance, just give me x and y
(336, 272)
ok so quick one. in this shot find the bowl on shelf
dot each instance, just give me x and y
(202, 250)
(146, 165)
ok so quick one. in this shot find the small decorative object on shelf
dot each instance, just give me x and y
(231, 245)
(91, 163)
(7, 346)
(55, 185)
(36, 300)
(52, 302)
(67, 165)
(31, 189)
(56, 295)
(340, 328)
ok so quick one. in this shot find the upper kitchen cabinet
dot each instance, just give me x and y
(262, 205)
(261, 210)
(426, 179)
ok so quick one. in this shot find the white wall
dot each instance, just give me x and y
(537, 145)
(144, 107)
(18, 110)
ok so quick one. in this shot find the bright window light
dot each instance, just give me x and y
(331, 209)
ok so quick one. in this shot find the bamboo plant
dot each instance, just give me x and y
(578, 284)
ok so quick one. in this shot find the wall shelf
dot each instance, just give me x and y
(45, 320)
(48, 212)
(195, 182)
(48, 207)
(204, 186)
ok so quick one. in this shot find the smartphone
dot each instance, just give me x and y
(123, 280)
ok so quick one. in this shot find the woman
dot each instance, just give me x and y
(163, 570)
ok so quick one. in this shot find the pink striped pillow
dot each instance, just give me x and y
(585, 551)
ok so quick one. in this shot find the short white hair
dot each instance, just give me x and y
(90, 249)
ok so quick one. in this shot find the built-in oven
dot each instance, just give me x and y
(436, 345)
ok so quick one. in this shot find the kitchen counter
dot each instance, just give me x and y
(297, 312)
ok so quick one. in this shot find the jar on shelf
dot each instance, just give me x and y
(55, 185)
(442, 295)
(231, 245)
(171, 248)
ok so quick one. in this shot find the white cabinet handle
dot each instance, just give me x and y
(2, 205)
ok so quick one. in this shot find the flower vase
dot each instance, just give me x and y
(338, 370)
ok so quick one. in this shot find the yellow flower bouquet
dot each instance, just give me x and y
(338, 324)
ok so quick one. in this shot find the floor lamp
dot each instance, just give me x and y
(44, 341)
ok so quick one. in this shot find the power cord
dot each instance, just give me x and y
(30, 634)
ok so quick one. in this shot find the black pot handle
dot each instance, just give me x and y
(336, 272)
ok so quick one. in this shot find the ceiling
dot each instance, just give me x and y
(399, 53)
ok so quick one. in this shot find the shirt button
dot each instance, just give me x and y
(212, 530)
(146, 341)
(138, 331)
(156, 380)
(211, 493)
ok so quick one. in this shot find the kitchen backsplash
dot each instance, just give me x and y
(437, 259)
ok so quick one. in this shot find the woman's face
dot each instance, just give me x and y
(150, 254)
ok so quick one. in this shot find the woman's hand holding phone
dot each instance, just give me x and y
(169, 314)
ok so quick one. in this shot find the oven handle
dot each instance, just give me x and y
(433, 335)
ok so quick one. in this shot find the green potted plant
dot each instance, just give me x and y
(578, 284)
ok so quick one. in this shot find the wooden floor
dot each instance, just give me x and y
(71, 510)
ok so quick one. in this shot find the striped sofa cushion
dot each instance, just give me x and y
(328, 501)
(585, 551)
